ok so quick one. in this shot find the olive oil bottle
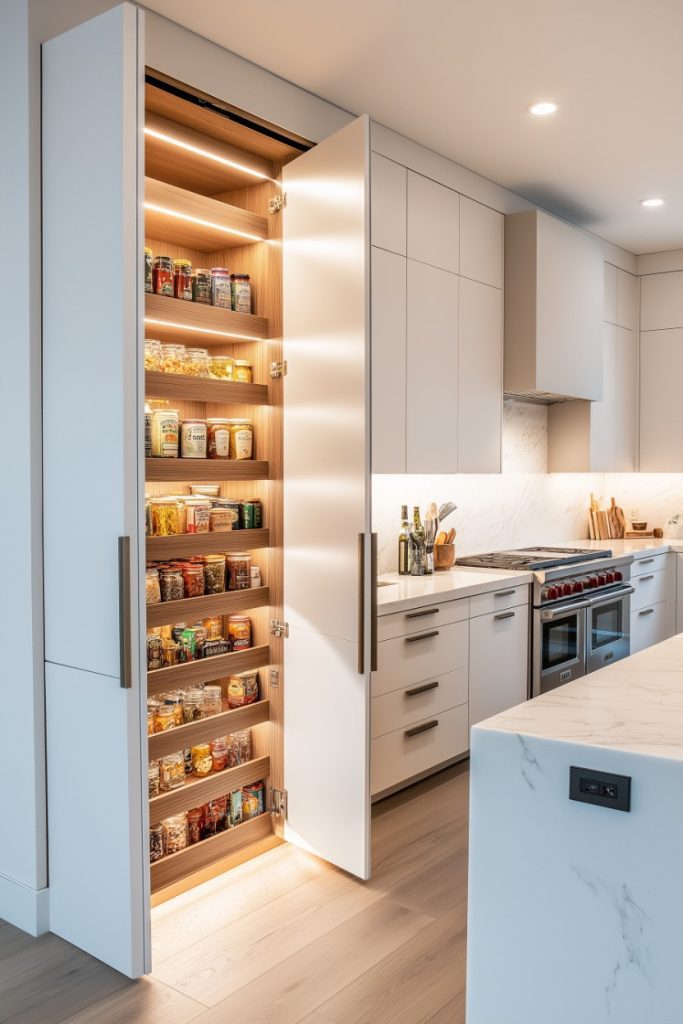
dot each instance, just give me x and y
(404, 544)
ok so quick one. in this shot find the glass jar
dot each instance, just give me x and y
(240, 293)
(195, 822)
(243, 689)
(165, 433)
(193, 579)
(197, 515)
(222, 367)
(172, 587)
(220, 287)
(149, 263)
(174, 700)
(153, 779)
(256, 576)
(193, 701)
(172, 772)
(239, 570)
(213, 627)
(212, 703)
(218, 438)
(166, 516)
(239, 632)
(152, 587)
(239, 748)
(156, 842)
(198, 364)
(201, 287)
(193, 439)
(175, 833)
(201, 759)
(220, 520)
(182, 279)
(241, 439)
(153, 355)
(219, 753)
(151, 721)
(170, 652)
(243, 373)
(162, 276)
(165, 718)
(173, 358)
(214, 574)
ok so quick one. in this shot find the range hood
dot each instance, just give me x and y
(553, 310)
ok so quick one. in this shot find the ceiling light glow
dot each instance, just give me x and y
(172, 141)
(655, 201)
(543, 108)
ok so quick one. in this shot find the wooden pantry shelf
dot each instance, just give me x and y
(199, 389)
(180, 217)
(191, 609)
(186, 544)
(175, 866)
(204, 670)
(198, 470)
(180, 320)
(196, 792)
(184, 736)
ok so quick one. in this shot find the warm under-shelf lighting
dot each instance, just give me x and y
(198, 330)
(205, 153)
(204, 223)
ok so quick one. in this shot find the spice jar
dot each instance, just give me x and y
(148, 271)
(243, 371)
(212, 703)
(201, 287)
(239, 632)
(219, 753)
(220, 520)
(170, 653)
(222, 367)
(165, 433)
(197, 362)
(214, 574)
(165, 514)
(151, 721)
(240, 293)
(153, 651)
(195, 821)
(193, 439)
(256, 576)
(173, 358)
(243, 689)
(172, 772)
(201, 759)
(193, 579)
(218, 438)
(162, 276)
(239, 748)
(182, 279)
(239, 570)
(152, 588)
(153, 779)
(156, 842)
(175, 833)
(220, 287)
(153, 354)
(174, 700)
(165, 718)
(172, 588)
(241, 439)
(192, 705)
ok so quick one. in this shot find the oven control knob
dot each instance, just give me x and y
(618, 576)
(602, 580)
(567, 589)
(578, 587)
(593, 582)
(610, 577)
(551, 593)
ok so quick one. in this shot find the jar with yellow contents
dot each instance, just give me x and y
(202, 762)
(241, 438)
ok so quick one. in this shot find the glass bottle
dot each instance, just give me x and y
(404, 543)
(417, 545)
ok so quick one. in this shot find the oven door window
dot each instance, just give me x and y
(560, 641)
(606, 622)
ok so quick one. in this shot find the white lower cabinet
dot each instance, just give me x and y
(405, 753)
(649, 626)
(499, 662)
(653, 603)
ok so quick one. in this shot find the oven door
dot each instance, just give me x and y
(559, 645)
(608, 628)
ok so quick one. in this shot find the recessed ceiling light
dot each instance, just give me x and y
(652, 202)
(543, 108)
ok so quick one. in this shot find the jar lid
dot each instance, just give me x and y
(240, 419)
(182, 263)
(220, 270)
(218, 419)
(202, 270)
(199, 351)
(184, 422)
(214, 558)
(147, 249)
(163, 501)
(172, 758)
(240, 277)
(164, 259)
(164, 412)
(238, 554)
(242, 362)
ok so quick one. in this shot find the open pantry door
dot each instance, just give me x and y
(93, 81)
(327, 546)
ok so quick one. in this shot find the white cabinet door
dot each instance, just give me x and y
(661, 410)
(609, 305)
(649, 626)
(626, 404)
(603, 414)
(481, 242)
(628, 286)
(433, 223)
(432, 414)
(388, 188)
(93, 88)
(327, 593)
(499, 662)
(388, 289)
(661, 301)
(480, 378)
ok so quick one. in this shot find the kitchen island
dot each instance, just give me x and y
(576, 909)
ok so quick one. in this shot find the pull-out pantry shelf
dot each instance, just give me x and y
(201, 389)
(197, 470)
(204, 670)
(191, 609)
(186, 544)
(196, 791)
(177, 320)
(184, 736)
(181, 217)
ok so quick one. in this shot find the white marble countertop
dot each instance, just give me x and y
(629, 547)
(405, 592)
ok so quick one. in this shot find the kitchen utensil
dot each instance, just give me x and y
(444, 557)
(673, 527)
(621, 521)
(446, 510)
(450, 536)
(441, 538)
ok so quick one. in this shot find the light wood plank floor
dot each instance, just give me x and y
(285, 938)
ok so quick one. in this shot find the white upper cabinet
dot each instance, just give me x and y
(609, 303)
(433, 223)
(661, 411)
(480, 378)
(554, 285)
(627, 300)
(388, 185)
(388, 319)
(432, 370)
(661, 301)
(481, 243)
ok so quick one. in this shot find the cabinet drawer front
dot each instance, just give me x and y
(644, 564)
(499, 662)
(403, 708)
(418, 619)
(421, 656)
(648, 626)
(397, 756)
(650, 588)
(500, 599)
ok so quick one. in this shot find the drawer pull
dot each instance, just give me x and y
(504, 615)
(644, 579)
(504, 593)
(421, 689)
(422, 636)
(644, 561)
(417, 729)
(647, 611)
(421, 614)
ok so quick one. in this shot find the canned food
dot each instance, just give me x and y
(162, 276)
(175, 833)
(232, 508)
(153, 355)
(222, 367)
(239, 632)
(165, 433)
(220, 287)
(214, 574)
(172, 772)
(195, 820)
(193, 439)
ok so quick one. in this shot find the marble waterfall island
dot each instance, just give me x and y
(576, 910)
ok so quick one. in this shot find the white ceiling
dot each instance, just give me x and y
(458, 76)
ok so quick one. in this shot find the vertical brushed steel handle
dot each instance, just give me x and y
(373, 602)
(361, 603)
(125, 635)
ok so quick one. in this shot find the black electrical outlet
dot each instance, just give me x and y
(602, 788)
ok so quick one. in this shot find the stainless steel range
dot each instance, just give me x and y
(581, 609)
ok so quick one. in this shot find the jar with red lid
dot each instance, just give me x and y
(182, 279)
(162, 276)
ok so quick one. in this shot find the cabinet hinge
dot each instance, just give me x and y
(278, 370)
(278, 802)
(278, 628)
(277, 202)
(274, 674)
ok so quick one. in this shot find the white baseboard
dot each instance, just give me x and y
(26, 908)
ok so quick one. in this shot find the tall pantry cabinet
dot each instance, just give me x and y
(133, 157)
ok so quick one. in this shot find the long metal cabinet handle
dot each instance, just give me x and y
(644, 561)
(504, 615)
(425, 688)
(373, 602)
(425, 727)
(647, 611)
(644, 579)
(125, 633)
(361, 603)
(504, 593)
(422, 636)
(420, 615)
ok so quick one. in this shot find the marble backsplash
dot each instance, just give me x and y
(524, 504)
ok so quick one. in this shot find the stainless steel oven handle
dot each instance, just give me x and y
(614, 595)
(548, 614)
